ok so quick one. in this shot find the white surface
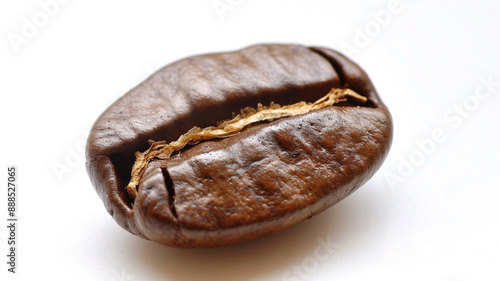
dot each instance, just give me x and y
(440, 222)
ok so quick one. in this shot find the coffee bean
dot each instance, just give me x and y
(223, 148)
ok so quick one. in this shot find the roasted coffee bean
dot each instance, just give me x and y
(223, 148)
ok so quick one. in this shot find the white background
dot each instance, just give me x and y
(431, 212)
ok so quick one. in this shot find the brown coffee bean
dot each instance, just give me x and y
(205, 182)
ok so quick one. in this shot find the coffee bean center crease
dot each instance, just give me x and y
(228, 128)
